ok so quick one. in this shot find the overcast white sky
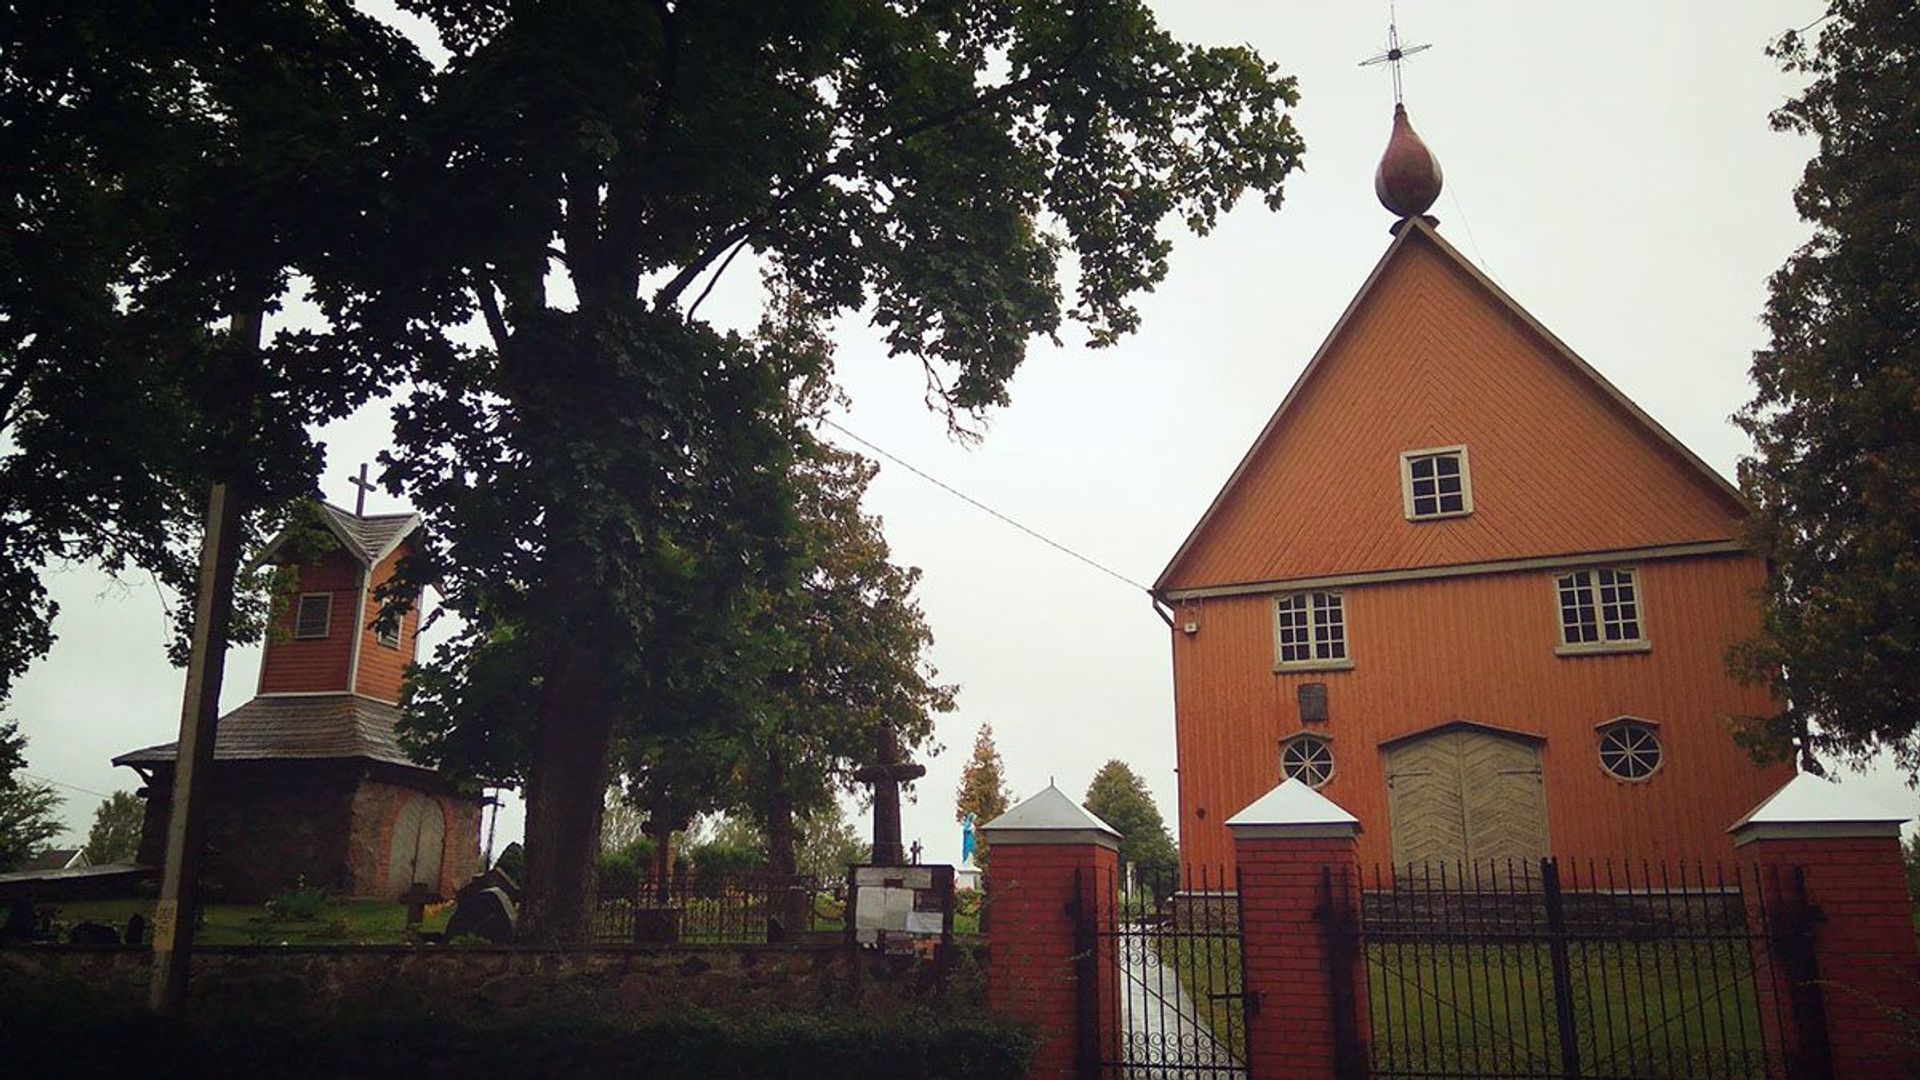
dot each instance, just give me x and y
(1609, 164)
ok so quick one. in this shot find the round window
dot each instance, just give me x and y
(1630, 751)
(1308, 759)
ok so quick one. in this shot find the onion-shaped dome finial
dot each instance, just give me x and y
(1408, 179)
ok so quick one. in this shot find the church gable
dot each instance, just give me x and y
(1432, 356)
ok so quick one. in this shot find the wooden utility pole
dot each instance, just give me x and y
(173, 917)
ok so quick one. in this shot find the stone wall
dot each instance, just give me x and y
(496, 981)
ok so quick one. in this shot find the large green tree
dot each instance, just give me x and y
(605, 472)
(1120, 798)
(178, 173)
(115, 834)
(27, 807)
(1835, 418)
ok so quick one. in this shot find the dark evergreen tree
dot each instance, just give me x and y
(1835, 419)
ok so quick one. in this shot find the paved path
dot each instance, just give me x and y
(1160, 1023)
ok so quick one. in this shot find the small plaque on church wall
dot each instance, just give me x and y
(1313, 702)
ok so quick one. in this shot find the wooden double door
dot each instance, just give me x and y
(1466, 796)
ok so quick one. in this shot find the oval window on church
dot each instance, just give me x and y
(1630, 751)
(1308, 759)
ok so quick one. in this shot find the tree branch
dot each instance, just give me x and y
(490, 310)
(845, 164)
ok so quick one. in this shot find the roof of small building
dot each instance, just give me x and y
(369, 538)
(53, 859)
(1808, 799)
(1050, 810)
(303, 727)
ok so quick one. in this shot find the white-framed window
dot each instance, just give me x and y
(1630, 749)
(1436, 483)
(388, 635)
(1308, 759)
(1600, 610)
(1310, 631)
(313, 616)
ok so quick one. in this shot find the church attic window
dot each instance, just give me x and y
(1308, 759)
(1630, 750)
(1310, 631)
(313, 616)
(1436, 483)
(1599, 611)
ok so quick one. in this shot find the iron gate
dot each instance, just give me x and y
(1163, 983)
(1551, 969)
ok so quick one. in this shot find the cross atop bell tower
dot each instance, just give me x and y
(360, 497)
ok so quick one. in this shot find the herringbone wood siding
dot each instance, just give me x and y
(1466, 795)
(1481, 648)
(1431, 358)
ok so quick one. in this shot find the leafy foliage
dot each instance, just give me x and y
(605, 474)
(117, 822)
(1835, 419)
(27, 807)
(177, 165)
(1120, 798)
(983, 789)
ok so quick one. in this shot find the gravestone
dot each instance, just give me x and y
(487, 913)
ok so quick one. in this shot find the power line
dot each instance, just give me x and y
(963, 496)
(64, 784)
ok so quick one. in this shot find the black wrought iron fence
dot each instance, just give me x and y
(1167, 957)
(1558, 969)
(693, 910)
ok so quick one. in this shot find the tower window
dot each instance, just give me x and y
(1310, 630)
(387, 635)
(1436, 483)
(313, 616)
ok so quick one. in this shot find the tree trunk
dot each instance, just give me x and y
(565, 796)
(783, 861)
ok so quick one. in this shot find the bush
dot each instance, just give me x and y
(58, 1028)
(716, 863)
(619, 876)
(298, 904)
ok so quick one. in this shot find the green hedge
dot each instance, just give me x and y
(58, 1031)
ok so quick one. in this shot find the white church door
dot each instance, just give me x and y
(419, 834)
(1466, 797)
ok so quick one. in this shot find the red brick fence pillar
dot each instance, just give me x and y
(1833, 856)
(1050, 879)
(1299, 907)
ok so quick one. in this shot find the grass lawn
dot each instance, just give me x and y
(369, 922)
(1654, 1008)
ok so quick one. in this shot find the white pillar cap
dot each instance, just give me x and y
(1810, 808)
(1050, 818)
(1293, 811)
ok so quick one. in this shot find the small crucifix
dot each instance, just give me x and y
(1395, 55)
(360, 496)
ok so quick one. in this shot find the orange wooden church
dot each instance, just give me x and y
(1466, 588)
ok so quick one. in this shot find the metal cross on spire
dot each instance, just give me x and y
(360, 496)
(1395, 54)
